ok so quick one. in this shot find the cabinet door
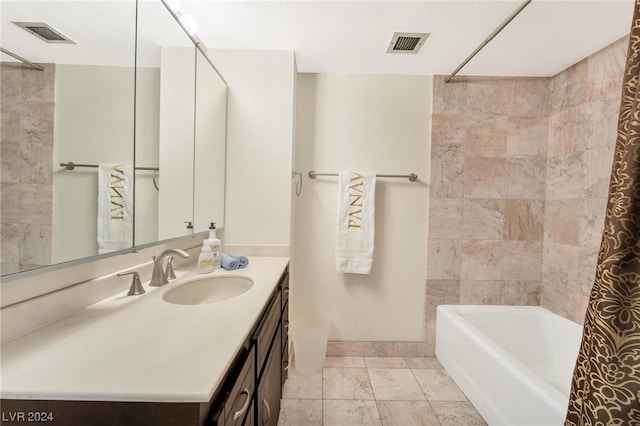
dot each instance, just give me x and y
(268, 401)
(250, 419)
(240, 396)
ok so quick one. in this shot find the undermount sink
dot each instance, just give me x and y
(211, 289)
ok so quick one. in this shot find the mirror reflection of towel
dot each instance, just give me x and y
(115, 207)
(355, 222)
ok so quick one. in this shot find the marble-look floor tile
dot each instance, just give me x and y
(346, 383)
(457, 413)
(344, 361)
(300, 386)
(385, 362)
(300, 412)
(395, 384)
(407, 413)
(438, 386)
(350, 413)
(430, 362)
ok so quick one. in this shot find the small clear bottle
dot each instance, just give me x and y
(206, 260)
(216, 246)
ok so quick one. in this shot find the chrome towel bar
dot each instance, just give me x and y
(412, 177)
(71, 165)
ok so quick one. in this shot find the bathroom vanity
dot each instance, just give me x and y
(132, 360)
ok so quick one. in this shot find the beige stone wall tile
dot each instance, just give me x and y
(487, 137)
(521, 260)
(527, 137)
(605, 69)
(480, 292)
(483, 219)
(36, 204)
(563, 133)
(481, 260)
(520, 293)
(600, 126)
(597, 172)
(592, 215)
(36, 245)
(523, 220)
(562, 221)
(447, 172)
(524, 178)
(443, 259)
(565, 177)
(440, 292)
(448, 130)
(569, 88)
(484, 177)
(445, 218)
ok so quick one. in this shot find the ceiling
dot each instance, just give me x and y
(344, 36)
(352, 36)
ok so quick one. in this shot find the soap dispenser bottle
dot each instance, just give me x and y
(206, 259)
(216, 245)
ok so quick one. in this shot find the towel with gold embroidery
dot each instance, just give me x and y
(355, 222)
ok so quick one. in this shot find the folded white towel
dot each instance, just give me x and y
(355, 222)
(115, 207)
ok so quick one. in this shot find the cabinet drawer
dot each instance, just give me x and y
(285, 325)
(241, 394)
(269, 390)
(285, 359)
(284, 285)
(266, 331)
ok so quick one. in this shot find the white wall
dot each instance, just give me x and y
(177, 103)
(147, 147)
(363, 123)
(259, 145)
(87, 132)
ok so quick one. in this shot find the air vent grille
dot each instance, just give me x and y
(44, 32)
(406, 42)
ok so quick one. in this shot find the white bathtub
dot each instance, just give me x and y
(514, 363)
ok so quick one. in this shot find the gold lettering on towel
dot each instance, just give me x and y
(116, 187)
(355, 185)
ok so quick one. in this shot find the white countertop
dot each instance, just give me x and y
(139, 348)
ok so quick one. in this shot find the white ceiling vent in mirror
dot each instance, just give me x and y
(406, 42)
(44, 32)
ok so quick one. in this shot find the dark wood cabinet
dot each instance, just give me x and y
(268, 345)
(270, 388)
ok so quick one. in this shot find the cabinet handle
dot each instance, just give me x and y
(266, 405)
(286, 324)
(243, 410)
(286, 290)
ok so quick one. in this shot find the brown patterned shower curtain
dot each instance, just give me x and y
(606, 380)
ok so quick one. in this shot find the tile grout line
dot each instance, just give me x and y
(426, 397)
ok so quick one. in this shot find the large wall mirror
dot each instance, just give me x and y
(144, 117)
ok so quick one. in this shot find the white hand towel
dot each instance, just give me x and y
(115, 207)
(356, 218)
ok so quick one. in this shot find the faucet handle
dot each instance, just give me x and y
(169, 271)
(136, 286)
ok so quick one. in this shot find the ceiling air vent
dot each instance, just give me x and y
(406, 42)
(44, 32)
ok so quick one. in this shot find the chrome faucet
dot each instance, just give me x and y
(159, 276)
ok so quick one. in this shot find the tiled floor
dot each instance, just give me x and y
(364, 391)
